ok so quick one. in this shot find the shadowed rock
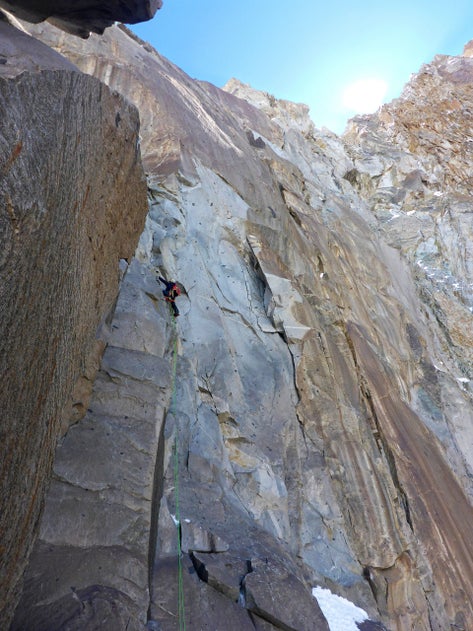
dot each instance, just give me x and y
(72, 144)
(83, 17)
(19, 53)
(279, 597)
(94, 607)
(98, 526)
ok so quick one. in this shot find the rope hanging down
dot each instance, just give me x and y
(181, 614)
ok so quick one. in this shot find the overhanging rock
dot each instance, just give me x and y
(82, 17)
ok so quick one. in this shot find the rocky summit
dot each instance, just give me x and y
(306, 421)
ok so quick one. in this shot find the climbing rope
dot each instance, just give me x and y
(181, 614)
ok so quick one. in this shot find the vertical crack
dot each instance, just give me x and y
(242, 596)
(367, 575)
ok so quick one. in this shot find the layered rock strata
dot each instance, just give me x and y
(321, 405)
(72, 204)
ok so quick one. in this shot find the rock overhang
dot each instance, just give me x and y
(83, 17)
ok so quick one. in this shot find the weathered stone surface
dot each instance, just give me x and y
(83, 16)
(98, 525)
(289, 115)
(72, 144)
(195, 538)
(322, 413)
(204, 608)
(224, 572)
(72, 606)
(279, 597)
(19, 53)
(199, 118)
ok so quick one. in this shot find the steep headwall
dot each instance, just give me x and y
(312, 403)
(72, 204)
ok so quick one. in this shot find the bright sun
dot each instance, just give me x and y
(364, 96)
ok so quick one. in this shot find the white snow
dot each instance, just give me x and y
(341, 614)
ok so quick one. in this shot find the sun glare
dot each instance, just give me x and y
(364, 96)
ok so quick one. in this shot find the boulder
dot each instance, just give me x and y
(202, 608)
(279, 597)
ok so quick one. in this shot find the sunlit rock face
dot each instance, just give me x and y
(312, 405)
(72, 204)
(420, 195)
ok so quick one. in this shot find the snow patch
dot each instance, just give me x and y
(341, 614)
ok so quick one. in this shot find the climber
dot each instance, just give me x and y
(170, 293)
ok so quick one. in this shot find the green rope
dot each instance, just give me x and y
(181, 614)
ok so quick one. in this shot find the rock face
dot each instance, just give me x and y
(96, 526)
(83, 16)
(307, 419)
(72, 204)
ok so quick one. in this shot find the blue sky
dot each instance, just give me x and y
(309, 51)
